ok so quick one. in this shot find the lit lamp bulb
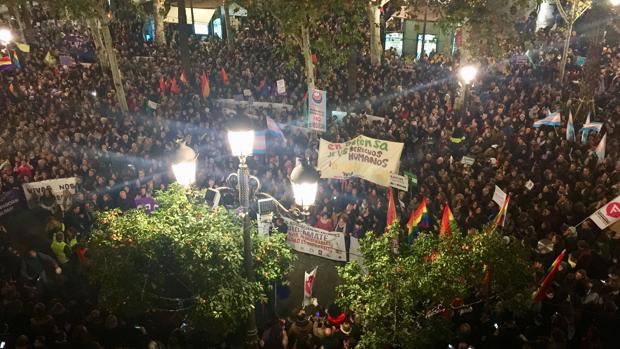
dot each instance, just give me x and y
(5, 36)
(468, 73)
(241, 136)
(184, 167)
(305, 182)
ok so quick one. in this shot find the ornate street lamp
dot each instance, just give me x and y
(5, 36)
(468, 73)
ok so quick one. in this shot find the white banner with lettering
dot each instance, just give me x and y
(363, 157)
(58, 186)
(307, 239)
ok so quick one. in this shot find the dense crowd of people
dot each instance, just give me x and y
(64, 121)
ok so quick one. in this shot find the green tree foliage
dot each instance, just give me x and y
(407, 299)
(488, 25)
(303, 26)
(182, 258)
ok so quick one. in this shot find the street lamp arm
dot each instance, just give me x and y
(294, 213)
(257, 190)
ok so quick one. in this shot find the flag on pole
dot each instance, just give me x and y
(6, 63)
(418, 219)
(273, 127)
(600, 148)
(260, 143)
(570, 128)
(224, 76)
(183, 77)
(25, 48)
(391, 214)
(162, 85)
(15, 59)
(501, 215)
(447, 222)
(174, 87)
(204, 85)
(308, 285)
(542, 290)
(552, 119)
(49, 59)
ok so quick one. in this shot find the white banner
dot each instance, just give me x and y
(307, 239)
(363, 157)
(499, 196)
(281, 86)
(58, 186)
(608, 214)
(317, 109)
(399, 182)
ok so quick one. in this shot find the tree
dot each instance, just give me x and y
(408, 299)
(94, 11)
(373, 8)
(577, 9)
(485, 24)
(183, 258)
(183, 38)
(301, 24)
(158, 16)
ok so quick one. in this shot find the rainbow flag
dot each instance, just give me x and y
(448, 223)
(542, 290)
(501, 215)
(6, 63)
(418, 219)
(15, 60)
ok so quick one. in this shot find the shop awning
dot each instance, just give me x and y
(201, 15)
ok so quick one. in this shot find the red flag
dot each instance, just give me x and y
(391, 214)
(183, 77)
(204, 85)
(224, 76)
(162, 85)
(174, 88)
(447, 220)
(315, 59)
(540, 294)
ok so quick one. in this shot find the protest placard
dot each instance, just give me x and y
(58, 186)
(363, 157)
(307, 239)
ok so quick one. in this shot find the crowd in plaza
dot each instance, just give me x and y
(64, 121)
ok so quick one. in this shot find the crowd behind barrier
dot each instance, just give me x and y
(63, 121)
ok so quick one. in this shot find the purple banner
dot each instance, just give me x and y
(11, 201)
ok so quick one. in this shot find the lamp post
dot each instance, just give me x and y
(467, 74)
(304, 179)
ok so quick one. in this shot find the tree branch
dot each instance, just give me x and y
(558, 4)
(294, 36)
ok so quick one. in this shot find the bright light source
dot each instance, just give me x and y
(93, 93)
(241, 136)
(5, 36)
(185, 173)
(184, 168)
(614, 2)
(468, 73)
(305, 182)
(241, 142)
